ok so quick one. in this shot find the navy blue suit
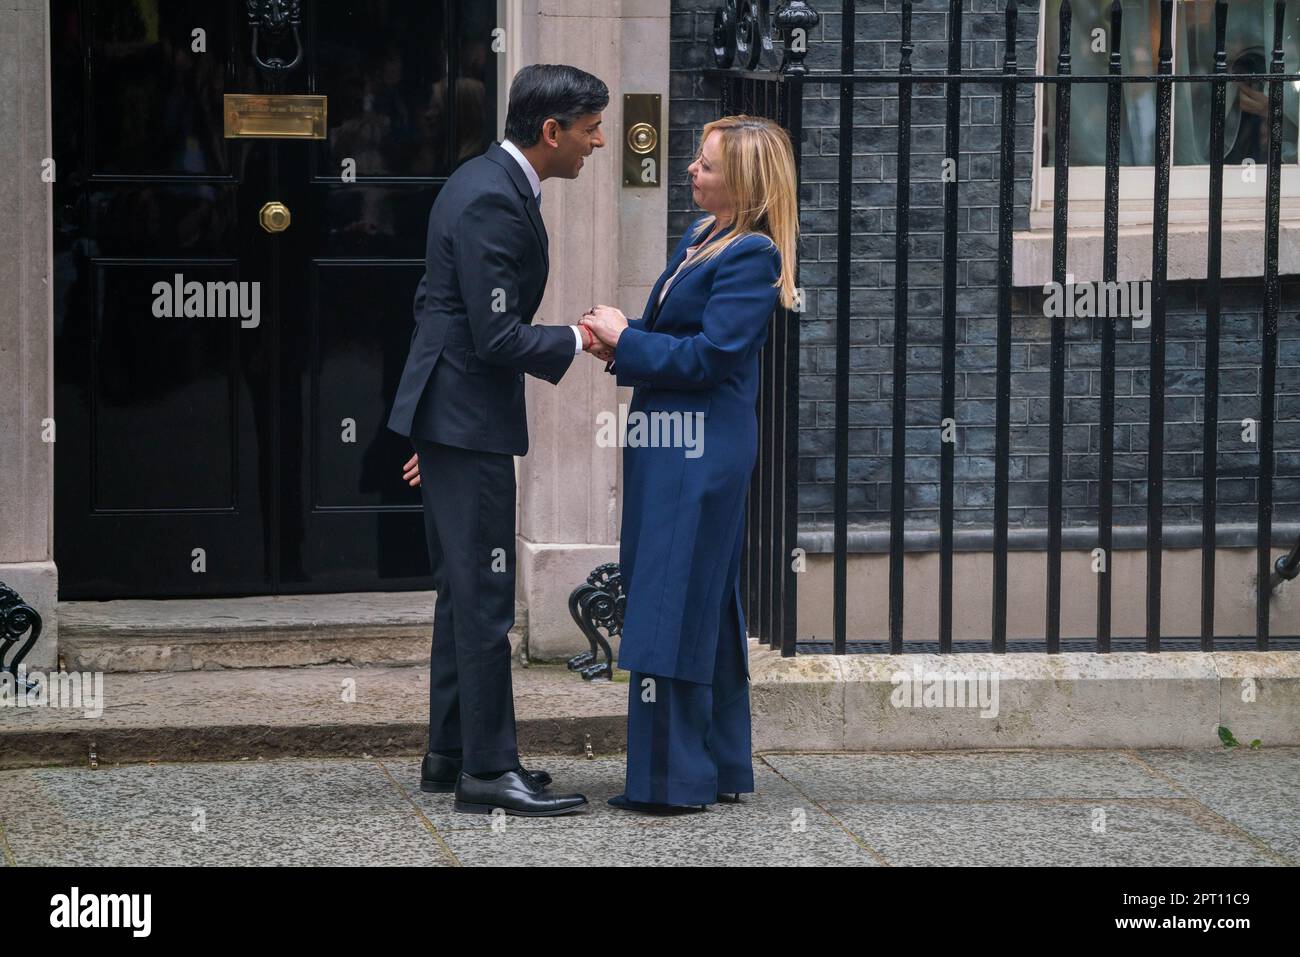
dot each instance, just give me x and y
(683, 523)
(461, 401)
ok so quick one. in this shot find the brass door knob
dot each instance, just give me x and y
(274, 217)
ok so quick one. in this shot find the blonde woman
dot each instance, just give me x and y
(695, 351)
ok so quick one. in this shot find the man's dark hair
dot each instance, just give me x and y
(545, 90)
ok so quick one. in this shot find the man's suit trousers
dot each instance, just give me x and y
(469, 519)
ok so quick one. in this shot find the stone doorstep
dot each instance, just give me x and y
(271, 631)
(251, 713)
(1072, 700)
(812, 702)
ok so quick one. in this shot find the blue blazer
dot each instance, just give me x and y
(697, 354)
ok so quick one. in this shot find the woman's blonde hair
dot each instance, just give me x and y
(758, 170)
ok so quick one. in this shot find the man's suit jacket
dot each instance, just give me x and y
(486, 265)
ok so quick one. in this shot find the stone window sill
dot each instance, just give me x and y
(1243, 242)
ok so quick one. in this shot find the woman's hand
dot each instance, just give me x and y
(607, 323)
(411, 471)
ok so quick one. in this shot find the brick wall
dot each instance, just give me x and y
(694, 102)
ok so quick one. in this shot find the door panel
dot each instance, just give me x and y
(148, 379)
(159, 472)
(353, 267)
(263, 447)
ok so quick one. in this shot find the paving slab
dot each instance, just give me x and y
(247, 813)
(1259, 791)
(775, 803)
(983, 775)
(1034, 833)
(968, 808)
(377, 840)
(675, 846)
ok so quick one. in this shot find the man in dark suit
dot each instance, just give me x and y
(461, 401)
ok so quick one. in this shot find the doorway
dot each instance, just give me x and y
(208, 454)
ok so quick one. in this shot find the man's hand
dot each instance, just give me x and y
(607, 323)
(411, 471)
(594, 346)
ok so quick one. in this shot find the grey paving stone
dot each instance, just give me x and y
(385, 838)
(969, 775)
(317, 788)
(982, 808)
(1030, 833)
(1259, 791)
(265, 812)
(600, 779)
(631, 845)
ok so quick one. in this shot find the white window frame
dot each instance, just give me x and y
(1189, 190)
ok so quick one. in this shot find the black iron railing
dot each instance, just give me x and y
(742, 32)
(768, 579)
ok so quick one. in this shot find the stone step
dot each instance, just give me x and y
(325, 710)
(267, 631)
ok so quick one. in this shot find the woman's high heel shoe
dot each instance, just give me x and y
(646, 807)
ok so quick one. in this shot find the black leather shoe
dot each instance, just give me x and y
(515, 792)
(438, 774)
(659, 810)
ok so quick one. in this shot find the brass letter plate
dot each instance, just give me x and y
(292, 115)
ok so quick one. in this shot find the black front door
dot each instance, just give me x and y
(221, 390)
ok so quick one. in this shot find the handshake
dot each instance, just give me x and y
(600, 327)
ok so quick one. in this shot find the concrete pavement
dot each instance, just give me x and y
(1057, 807)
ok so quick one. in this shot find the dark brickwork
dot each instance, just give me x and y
(694, 102)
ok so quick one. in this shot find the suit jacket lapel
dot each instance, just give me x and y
(672, 267)
(507, 162)
(659, 284)
(535, 217)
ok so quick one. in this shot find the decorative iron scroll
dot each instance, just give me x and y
(742, 33)
(598, 603)
(1286, 568)
(16, 619)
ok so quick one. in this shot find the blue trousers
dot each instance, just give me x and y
(687, 742)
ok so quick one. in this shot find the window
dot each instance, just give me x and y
(1249, 49)
(1249, 46)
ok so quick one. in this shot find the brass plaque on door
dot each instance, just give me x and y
(642, 140)
(287, 115)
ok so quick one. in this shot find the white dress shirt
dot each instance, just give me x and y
(690, 254)
(536, 183)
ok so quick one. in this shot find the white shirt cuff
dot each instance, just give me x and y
(577, 335)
